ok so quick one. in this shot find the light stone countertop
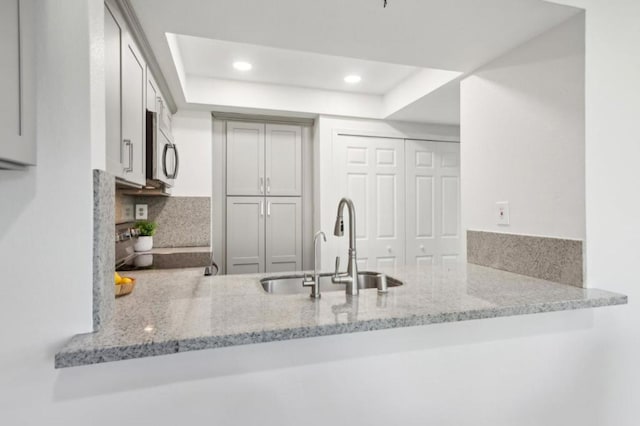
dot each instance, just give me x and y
(181, 310)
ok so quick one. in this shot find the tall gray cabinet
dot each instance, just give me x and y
(264, 188)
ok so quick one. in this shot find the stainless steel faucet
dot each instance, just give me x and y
(315, 282)
(350, 278)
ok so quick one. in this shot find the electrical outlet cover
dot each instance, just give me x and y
(141, 212)
(502, 212)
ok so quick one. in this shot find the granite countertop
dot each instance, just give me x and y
(181, 310)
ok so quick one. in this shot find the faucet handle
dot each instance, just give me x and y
(337, 265)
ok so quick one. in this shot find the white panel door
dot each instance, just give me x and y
(245, 158)
(432, 202)
(133, 112)
(371, 173)
(245, 235)
(283, 152)
(283, 234)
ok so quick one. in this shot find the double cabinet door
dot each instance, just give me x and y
(125, 81)
(264, 234)
(264, 159)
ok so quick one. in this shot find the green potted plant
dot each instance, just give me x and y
(147, 230)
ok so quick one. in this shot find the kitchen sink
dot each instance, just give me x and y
(292, 284)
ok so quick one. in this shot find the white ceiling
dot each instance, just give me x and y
(203, 57)
(457, 35)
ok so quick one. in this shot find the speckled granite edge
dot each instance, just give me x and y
(553, 259)
(103, 246)
(117, 353)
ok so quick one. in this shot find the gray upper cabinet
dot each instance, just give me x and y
(245, 158)
(133, 112)
(17, 85)
(264, 160)
(126, 101)
(153, 93)
(283, 157)
(113, 132)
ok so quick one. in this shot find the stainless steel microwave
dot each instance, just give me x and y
(163, 161)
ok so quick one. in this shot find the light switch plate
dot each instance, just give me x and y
(127, 214)
(502, 212)
(141, 212)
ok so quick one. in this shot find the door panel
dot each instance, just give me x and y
(433, 202)
(283, 154)
(113, 131)
(283, 234)
(245, 235)
(245, 158)
(372, 175)
(133, 112)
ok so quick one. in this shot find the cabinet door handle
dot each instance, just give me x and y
(262, 185)
(164, 161)
(261, 208)
(269, 208)
(127, 143)
(268, 184)
(177, 164)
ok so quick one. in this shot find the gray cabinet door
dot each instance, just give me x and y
(112, 61)
(283, 160)
(133, 112)
(283, 234)
(245, 158)
(17, 85)
(245, 235)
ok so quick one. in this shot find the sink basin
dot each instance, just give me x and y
(292, 284)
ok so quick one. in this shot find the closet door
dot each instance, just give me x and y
(245, 158)
(283, 156)
(372, 174)
(283, 234)
(433, 202)
(245, 235)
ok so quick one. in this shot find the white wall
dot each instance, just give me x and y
(522, 133)
(567, 368)
(192, 133)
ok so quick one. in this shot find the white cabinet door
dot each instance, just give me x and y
(283, 156)
(153, 93)
(433, 202)
(245, 158)
(245, 235)
(133, 112)
(17, 84)
(372, 174)
(283, 234)
(113, 132)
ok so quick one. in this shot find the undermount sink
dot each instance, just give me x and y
(292, 284)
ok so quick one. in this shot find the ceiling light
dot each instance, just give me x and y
(242, 66)
(352, 79)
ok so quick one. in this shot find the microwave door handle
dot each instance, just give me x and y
(164, 161)
(177, 165)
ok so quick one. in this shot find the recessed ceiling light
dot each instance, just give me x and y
(352, 79)
(242, 66)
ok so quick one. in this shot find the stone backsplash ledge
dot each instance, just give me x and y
(182, 221)
(553, 259)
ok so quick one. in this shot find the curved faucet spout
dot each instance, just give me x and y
(351, 279)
